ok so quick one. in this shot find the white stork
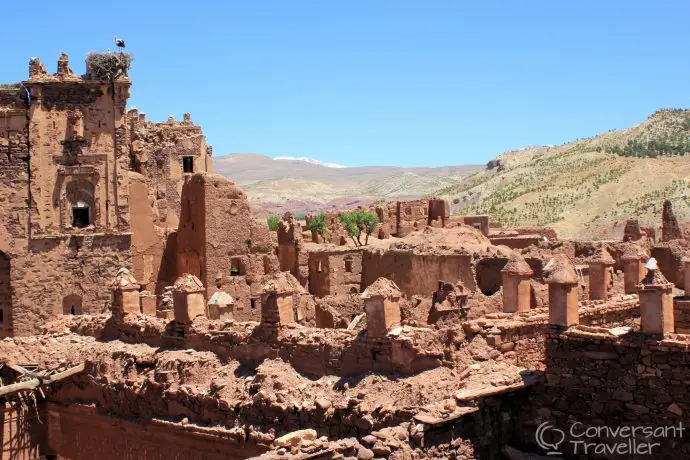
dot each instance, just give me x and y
(119, 42)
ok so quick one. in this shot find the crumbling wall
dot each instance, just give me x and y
(417, 273)
(78, 139)
(669, 256)
(14, 177)
(159, 152)
(220, 242)
(73, 267)
(671, 230)
(152, 269)
(521, 338)
(335, 272)
(411, 215)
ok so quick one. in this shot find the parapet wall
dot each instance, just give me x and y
(521, 337)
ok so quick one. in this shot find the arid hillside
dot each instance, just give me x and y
(588, 187)
(298, 185)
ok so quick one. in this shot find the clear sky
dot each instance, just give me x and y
(405, 83)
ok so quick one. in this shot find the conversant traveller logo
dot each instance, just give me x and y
(605, 440)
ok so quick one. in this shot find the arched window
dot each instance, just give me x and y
(80, 204)
(71, 305)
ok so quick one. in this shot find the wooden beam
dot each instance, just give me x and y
(435, 420)
(35, 383)
(28, 385)
(22, 370)
(68, 373)
(466, 395)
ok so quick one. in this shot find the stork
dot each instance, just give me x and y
(119, 42)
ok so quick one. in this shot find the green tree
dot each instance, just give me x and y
(272, 223)
(358, 222)
(318, 224)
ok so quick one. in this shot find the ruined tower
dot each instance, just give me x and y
(64, 157)
(219, 238)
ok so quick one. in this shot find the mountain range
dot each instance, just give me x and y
(275, 185)
(586, 188)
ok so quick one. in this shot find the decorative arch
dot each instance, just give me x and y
(79, 207)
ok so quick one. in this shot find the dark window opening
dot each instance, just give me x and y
(2, 315)
(252, 303)
(71, 305)
(188, 164)
(348, 265)
(236, 267)
(80, 217)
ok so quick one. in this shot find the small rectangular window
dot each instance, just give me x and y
(188, 164)
(80, 217)
(2, 315)
(348, 265)
(237, 267)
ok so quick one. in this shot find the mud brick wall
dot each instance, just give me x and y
(412, 215)
(79, 141)
(681, 314)
(335, 273)
(229, 244)
(309, 350)
(56, 274)
(21, 433)
(14, 177)
(417, 273)
(670, 256)
(613, 381)
(157, 151)
(82, 432)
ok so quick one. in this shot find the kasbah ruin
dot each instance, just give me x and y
(147, 314)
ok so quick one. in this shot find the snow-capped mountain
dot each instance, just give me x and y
(312, 161)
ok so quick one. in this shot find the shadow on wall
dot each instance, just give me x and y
(488, 275)
(597, 382)
(5, 296)
(168, 267)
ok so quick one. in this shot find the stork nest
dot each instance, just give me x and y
(108, 66)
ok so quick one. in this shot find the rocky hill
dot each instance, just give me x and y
(588, 187)
(303, 184)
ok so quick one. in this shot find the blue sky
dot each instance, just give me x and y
(407, 83)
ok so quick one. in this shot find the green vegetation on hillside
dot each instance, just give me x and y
(611, 176)
(672, 141)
